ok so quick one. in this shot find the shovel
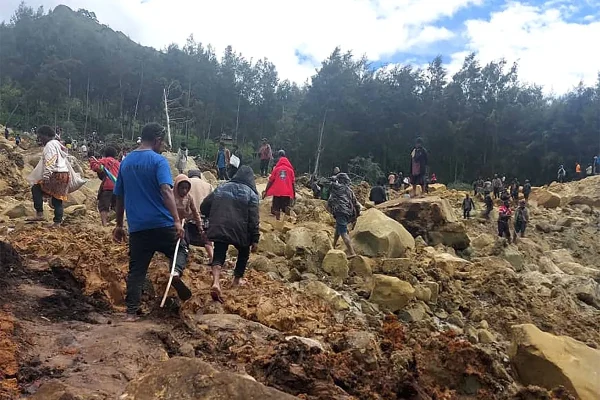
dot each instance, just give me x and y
(162, 303)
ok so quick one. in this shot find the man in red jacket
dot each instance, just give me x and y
(106, 198)
(282, 186)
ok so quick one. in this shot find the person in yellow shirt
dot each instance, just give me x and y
(578, 171)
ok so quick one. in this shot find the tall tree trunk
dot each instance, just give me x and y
(319, 149)
(137, 103)
(87, 107)
(167, 114)
(237, 117)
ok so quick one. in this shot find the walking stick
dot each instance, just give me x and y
(162, 303)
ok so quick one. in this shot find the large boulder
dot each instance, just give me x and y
(431, 218)
(545, 198)
(335, 264)
(376, 235)
(361, 266)
(436, 187)
(482, 241)
(583, 192)
(325, 293)
(585, 289)
(19, 211)
(190, 379)
(391, 293)
(309, 246)
(449, 263)
(271, 243)
(545, 360)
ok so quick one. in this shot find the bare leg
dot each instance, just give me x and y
(104, 217)
(336, 237)
(348, 242)
(414, 190)
(215, 290)
(210, 252)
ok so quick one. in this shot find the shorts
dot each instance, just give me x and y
(106, 201)
(281, 204)
(195, 236)
(341, 224)
(418, 180)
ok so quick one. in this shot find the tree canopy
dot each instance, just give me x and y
(65, 68)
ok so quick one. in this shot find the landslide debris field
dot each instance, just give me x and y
(442, 316)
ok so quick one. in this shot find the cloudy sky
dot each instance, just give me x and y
(554, 41)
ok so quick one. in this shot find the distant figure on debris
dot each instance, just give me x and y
(391, 180)
(83, 150)
(514, 190)
(18, 139)
(378, 194)
(233, 219)
(336, 171)
(504, 196)
(265, 153)
(54, 176)
(504, 215)
(561, 174)
(497, 186)
(235, 162)
(282, 186)
(144, 191)
(106, 199)
(399, 181)
(596, 165)
(6, 133)
(521, 219)
(467, 206)
(526, 189)
(344, 207)
(433, 178)
(589, 170)
(182, 158)
(199, 191)
(487, 187)
(139, 140)
(489, 206)
(578, 171)
(222, 161)
(418, 166)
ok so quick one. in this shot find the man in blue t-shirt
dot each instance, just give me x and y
(144, 191)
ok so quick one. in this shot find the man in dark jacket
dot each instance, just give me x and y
(232, 211)
(418, 166)
(527, 189)
(343, 205)
(497, 186)
(378, 194)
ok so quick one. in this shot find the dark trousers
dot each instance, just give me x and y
(264, 167)
(232, 171)
(142, 246)
(520, 227)
(38, 203)
(467, 213)
(223, 174)
(496, 193)
(220, 254)
(503, 229)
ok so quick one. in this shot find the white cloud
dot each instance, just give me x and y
(275, 28)
(550, 50)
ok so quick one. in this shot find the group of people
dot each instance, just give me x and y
(593, 168)
(504, 193)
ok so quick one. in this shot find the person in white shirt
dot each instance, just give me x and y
(55, 176)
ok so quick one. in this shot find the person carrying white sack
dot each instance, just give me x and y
(54, 180)
(53, 177)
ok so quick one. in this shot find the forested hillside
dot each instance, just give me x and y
(66, 68)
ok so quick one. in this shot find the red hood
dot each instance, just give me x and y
(284, 162)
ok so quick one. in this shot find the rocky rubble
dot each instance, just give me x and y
(432, 308)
